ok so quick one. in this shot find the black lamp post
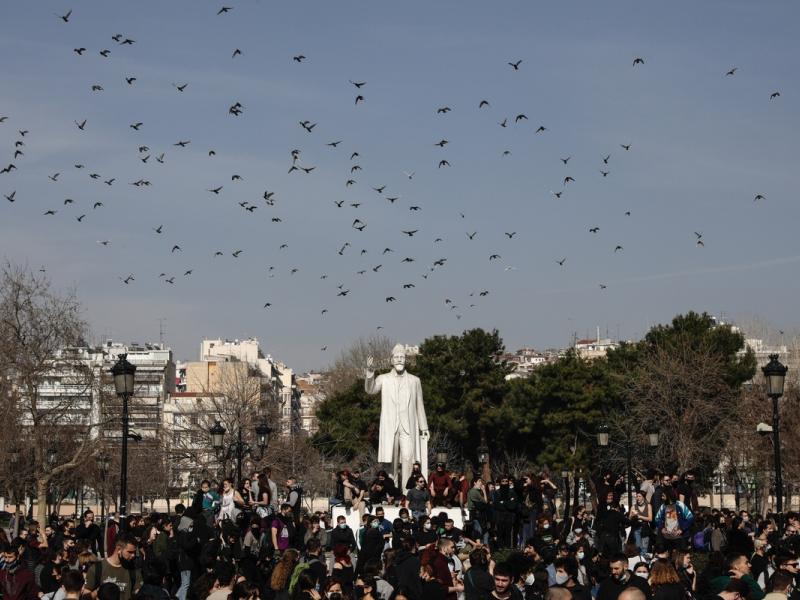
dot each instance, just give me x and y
(565, 478)
(124, 375)
(652, 441)
(103, 462)
(239, 449)
(602, 436)
(13, 460)
(483, 460)
(775, 374)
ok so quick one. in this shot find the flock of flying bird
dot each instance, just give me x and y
(297, 166)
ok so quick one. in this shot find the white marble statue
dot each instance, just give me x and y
(403, 433)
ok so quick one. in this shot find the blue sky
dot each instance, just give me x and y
(702, 146)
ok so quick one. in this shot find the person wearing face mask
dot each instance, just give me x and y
(620, 579)
(687, 492)
(426, 533)
(416, 475)
(343, 535)
(402, 527)
(119, 568)
(505, 504)
(372, 546)
(642, 569)
(566, 577)
(16, 580)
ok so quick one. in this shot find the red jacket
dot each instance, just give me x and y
(19, 585)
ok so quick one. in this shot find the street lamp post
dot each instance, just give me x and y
(775, 374)
(103, 462)
(13, 460)
(124, 374)
(239, 449)
(652, 441)
(483, 460)
(565, 479)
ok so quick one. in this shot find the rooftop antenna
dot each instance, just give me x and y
(162, 329)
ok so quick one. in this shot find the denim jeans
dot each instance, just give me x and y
(642, 543)
(183, 590)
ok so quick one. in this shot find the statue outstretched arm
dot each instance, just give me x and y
(372, 384)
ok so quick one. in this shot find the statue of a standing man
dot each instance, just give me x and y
(403, 422)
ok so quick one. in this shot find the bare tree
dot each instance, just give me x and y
(36, 326)
(683, 391)
(349, 366)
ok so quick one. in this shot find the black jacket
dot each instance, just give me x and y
(343, 536)
(405, 573)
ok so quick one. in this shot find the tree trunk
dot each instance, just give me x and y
(42, 483)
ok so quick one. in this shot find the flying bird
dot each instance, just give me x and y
(443, 163)
(299, 58)
(65, 17)
(731, 72)
(638, 61)
(774, 95)
(224, 9)
(358, 84)
(443, 110)
(515, 65)
(483, 103)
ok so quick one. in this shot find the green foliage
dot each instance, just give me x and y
(464, 385)
(557, 409)
(697, 330)
(348, 422)
(551, 416)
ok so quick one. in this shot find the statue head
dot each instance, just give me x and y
(399, 358)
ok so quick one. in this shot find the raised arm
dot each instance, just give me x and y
(372, 384)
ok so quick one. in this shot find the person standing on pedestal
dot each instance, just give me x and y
(403, 422)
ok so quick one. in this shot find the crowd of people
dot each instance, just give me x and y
(254, 540)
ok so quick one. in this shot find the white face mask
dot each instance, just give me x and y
(580, 555)
(530, 579)
(642, 575)
(561, 578)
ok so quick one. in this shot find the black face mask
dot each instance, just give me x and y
(127, 563)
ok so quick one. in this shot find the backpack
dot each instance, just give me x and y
(699, 540)
(298, 570)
